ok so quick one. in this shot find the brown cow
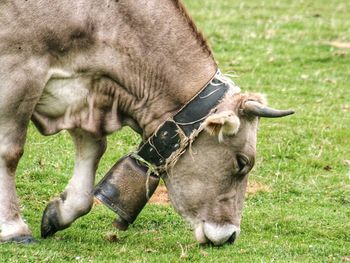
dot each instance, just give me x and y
(91, 67)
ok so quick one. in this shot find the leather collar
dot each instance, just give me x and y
(173, 136)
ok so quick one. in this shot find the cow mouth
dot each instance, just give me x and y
(215, 234)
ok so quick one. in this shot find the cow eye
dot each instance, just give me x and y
(244, 164)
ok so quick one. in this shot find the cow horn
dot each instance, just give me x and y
(257, 109)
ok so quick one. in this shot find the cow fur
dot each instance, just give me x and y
(91, 67)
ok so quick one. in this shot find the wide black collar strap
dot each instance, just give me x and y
(173, 136)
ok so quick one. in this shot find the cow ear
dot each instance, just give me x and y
(222, 123)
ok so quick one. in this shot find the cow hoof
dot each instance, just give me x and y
(121, 224)
(23, 240)
(50, 221)
(26, 240)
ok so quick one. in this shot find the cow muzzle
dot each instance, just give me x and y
(216, 234)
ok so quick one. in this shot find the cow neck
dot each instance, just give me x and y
(172, 137)
(169, 99)
(163, 60)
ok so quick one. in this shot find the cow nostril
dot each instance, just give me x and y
(232, 239)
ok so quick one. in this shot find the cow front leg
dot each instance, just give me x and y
(20, 91)
(77, 199)
(13, 228)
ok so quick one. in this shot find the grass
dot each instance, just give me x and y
(288, 50)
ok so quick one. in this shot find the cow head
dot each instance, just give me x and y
(208, 183)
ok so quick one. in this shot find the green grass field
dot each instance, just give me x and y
(297, 52)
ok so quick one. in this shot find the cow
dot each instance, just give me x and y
(92, 67)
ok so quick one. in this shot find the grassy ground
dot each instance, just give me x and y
(298, 53)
